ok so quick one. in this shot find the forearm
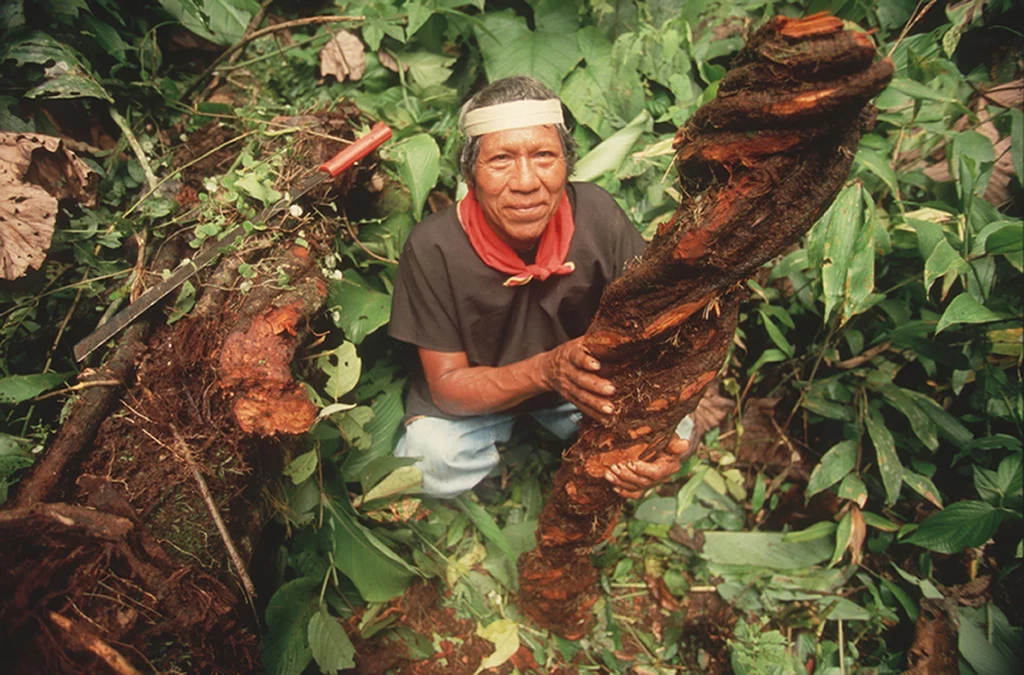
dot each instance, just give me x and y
(478, 390)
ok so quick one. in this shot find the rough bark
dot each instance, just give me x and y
(758, 165)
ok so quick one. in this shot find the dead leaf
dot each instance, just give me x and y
(35, 172)
(389, 62)
(858, 530)
(343, 57)
(26, 227)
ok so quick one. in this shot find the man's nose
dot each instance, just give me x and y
(524, 176)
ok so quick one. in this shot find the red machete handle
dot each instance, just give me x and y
(359, 149)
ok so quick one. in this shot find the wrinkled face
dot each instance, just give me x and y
(519, 181)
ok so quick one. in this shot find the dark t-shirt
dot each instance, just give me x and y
(446, 299)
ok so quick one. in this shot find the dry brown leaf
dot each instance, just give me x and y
(858, 531)
(389, 62)
(343, 57)
(35, 172)
(26, 227)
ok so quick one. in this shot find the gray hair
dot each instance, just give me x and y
(506, 90)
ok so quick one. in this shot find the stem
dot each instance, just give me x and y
(136, 148)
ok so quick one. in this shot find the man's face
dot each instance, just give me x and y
(519, 182)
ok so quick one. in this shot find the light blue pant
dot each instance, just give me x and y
(458, 454)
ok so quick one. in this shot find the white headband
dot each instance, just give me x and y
(513, 115)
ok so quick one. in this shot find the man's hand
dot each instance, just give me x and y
(632, 479)
(570, 370)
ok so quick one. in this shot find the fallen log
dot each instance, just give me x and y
(758, 165)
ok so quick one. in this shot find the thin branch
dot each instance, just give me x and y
(309, 21)
(136, 148)
(83, 637)
(352, 233)
(185, 453)
(78, 387)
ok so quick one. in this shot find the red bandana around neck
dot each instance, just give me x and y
(551, 250)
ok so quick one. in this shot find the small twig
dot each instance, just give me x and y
(285, 25)
(910, 24)
(352, 233)
(136, 148)
(204, 491)
(861, 359)
(78, 387)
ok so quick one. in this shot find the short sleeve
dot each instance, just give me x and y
(422, 307)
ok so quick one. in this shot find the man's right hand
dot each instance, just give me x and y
(571, 371)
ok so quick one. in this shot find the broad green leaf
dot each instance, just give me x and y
(948, 425)
(547, 53)
(65, 75)
(974, 145)
(352, 425)
(889, 465)
(504, 633)
(485, 523)
(223, 22)
(302, 467)
(923, 486)
(853, 488)
(419, 162)
(836, 463)
(426, 69)
(18, 388)
(764, 549)
(262, 190)
(1001, 237)
(825, 528)
(1011, 480)
(401, 480)
(917, 90)
(946, 263)
(843, 533)
(960, 525)
(357, 307)
(286, 647)
(878, 522)
(964, 309)
(605, 93)
(879, 165)
(775, 334)
(610, 153)
(376, 571)
(342, 367)
(417, 14)
(658, 510)
(844, 225)
(988, 642)
(331, 647)
(860, 277)
(923, 426)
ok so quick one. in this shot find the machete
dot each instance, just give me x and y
(329, 169)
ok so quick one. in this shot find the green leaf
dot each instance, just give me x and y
(286, 648)
(66, 75)
(504, 633)
(1002, 237)
(376, 571)
(889, 465)
(223, 22)
(342, 367)
(612, 152)
(418, 15)
(357, 308)
(844, 222)
(943, 262)
(960, 525)
(879, 165)
(18, 388)
(836, 463)
(419, 162)
(606, 92)
(262, 190)
(923, 486)
(352, 425)
(924, 428)
(547, 53)
(878, 522)
(825, 528)
(331, 647)
(401, 480)
(843, 533)
(988, 642)
(302, 467)
(917, 90)
(860, 277)
(764, 549)
(485, 523)
(964, 309)
(853, 488)
(183, 304)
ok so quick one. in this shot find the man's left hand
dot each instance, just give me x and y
(632, 479)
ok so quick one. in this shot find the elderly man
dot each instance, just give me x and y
(496, 291)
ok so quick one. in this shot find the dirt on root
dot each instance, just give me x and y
(165, 597)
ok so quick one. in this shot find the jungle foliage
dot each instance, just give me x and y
(888, 343)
